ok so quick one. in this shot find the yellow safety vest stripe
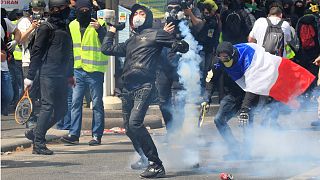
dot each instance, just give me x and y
(87, 50)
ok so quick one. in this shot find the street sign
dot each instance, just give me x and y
(11, 4)
(122, 17)
(15, 4)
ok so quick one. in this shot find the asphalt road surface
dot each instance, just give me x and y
(293, 152)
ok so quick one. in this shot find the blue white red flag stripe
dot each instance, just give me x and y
(265, 74)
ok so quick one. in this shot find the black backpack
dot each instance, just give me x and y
(273, 41)
(232, 25)
(5, 39)
(34, 36)
(308, 28)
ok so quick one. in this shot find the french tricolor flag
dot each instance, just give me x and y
(262, 73)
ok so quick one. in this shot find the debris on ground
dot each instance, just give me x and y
(226, 176)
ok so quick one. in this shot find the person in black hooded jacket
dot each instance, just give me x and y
(142, 51)
(55, 72)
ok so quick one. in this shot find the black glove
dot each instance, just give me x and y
(180, 46)
(119, 26)
(243, 117)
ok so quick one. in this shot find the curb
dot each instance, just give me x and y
(11, 144)
(153, 121)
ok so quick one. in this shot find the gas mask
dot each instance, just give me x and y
(138, 21)
(37, 14)
(174, 15)
(228, 60)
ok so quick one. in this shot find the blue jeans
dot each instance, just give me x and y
(65, 122)
(94, 81)
(135, 104)
(15, 69)
(6, 90)
(229, 106)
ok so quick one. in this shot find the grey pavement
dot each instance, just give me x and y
(291, 153)
(12, 134)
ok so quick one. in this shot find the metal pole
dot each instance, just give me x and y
(111, 102)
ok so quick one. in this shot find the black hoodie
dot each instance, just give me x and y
(142, 50)
(52, 59)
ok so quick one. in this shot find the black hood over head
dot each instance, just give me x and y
(228, 48)
(174, 2)
(149, 17)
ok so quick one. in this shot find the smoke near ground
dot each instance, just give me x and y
(285, 149)
(182, 145)
(289, 149)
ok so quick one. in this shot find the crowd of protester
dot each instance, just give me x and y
(59, 52)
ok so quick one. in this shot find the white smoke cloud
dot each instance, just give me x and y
(184, 141)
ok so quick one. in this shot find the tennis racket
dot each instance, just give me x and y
(23, 109)
(203, 112)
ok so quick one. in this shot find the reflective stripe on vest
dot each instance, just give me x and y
(289, 52)
(17, 53)
(87, 50)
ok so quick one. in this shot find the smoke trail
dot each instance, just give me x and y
(184, 141)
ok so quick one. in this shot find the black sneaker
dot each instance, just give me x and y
(29, 134)
(95, 141)
(195, 166)
(71, 139)
(43, 150)
(153, 171)
(315, 123)
(142, 163)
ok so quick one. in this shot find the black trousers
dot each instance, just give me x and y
(249, 102)
(53, 106)
(168, 89)
(135, 103)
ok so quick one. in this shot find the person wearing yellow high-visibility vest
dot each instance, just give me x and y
(17, 53)
(89, 67)
(16, 67)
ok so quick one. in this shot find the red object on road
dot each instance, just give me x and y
(226, 176)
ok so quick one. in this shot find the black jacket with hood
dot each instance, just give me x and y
(142, 50)
(51, 58)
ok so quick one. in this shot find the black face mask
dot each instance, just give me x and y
(299, 11)
(207, 17)
(287, 10)
(64, 14)
(84, 18)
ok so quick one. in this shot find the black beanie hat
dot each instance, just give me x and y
(83, 3)
(225, 47)
(173, 2)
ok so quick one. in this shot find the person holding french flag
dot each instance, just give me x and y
(259, 74)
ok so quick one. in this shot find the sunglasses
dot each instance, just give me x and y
(226, 58)
(177, 8)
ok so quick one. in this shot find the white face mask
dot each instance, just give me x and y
(138, 21)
